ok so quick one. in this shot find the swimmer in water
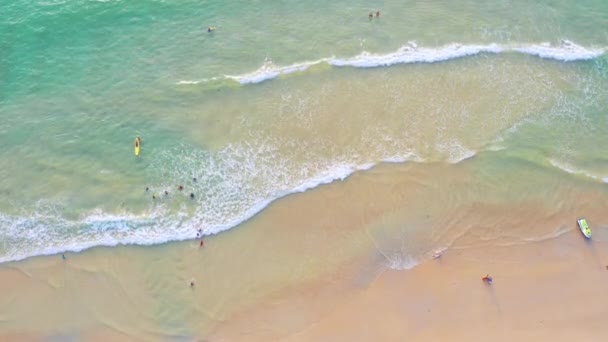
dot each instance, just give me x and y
(377, 14)
(180, 188)
(166, 193)
(371, 15)
(210, 29)
(191, 195)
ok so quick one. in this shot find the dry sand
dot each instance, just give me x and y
(554, 290)
(547, 290)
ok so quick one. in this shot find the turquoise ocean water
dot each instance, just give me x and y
(281, 97)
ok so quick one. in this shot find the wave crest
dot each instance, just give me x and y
(411, 53)
(566, 51)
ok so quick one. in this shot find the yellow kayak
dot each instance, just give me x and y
(137, 144)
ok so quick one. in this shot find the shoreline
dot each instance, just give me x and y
(299, 263)
(259, 209)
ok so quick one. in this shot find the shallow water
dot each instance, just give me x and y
(279, 99)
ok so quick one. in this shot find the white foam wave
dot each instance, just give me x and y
(454, 152)
(398, 159)
(571, 169)
(45, 231)
(240, 181)
(400, 262)
(187, 82)
(269, 71)
(566, 51)
(193, 82)
(412, 54)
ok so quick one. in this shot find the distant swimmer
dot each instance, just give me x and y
(210, 29)
(191, 195)
(194, 179)
(153, 197)
(180, 188)
(62, 256)
(377, 14)
(166, 193)
(199, 233)
(192, 282)
(147, 188)
(202, 243)
(371, 15)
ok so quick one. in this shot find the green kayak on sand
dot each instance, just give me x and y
(582, 224)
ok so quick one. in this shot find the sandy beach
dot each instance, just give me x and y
(322, 265)
(545, 291)
(323, 156)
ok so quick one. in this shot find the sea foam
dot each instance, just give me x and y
(571, 169)
(43, 232)
(566, 51)
(411, 53)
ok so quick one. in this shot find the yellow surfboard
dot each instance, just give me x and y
(137, 143)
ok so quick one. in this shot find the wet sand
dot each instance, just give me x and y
(346, 261)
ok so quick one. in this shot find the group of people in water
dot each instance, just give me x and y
(179, 187)
(371, 15)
